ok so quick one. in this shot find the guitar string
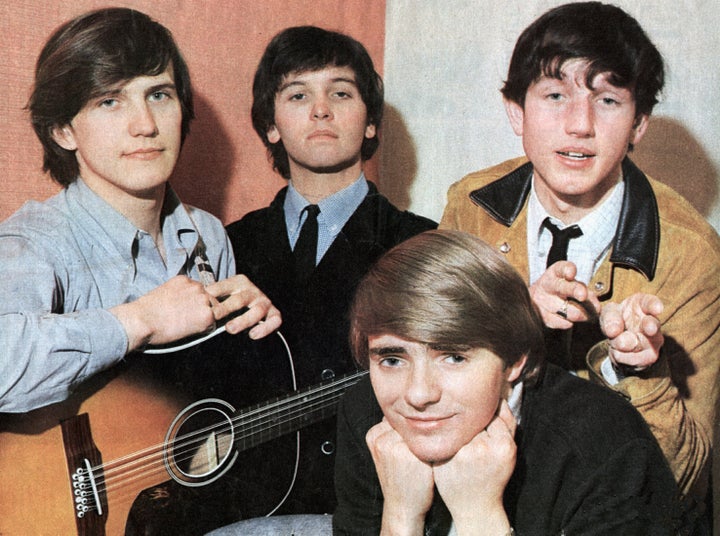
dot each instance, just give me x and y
(253, 426)
(122, 483)
(131, 493)
(250, 423)
(250, 412)
(119, 486)
(253, 429)
(149, 469)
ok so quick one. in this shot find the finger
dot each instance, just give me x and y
(573, 290)
(552, 319)
(232, 285)
(650, 326)
(611, 320)
(562, 310)
(272, 322)
(582, 311)
(261, 316)
(630, 362)
(381, 434)
(563, 270)
(505, 416)
(372, 435)
(497, 433)
(627, 342)
(565, 287)
(216, 307)
(651, 304)
(232, 304)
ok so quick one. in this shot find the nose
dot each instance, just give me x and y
(321, 109)
(423, 388)
(579, 118)
(142, 121)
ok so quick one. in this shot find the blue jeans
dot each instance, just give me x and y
(290, 525)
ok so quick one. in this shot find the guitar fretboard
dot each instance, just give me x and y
(271, 419)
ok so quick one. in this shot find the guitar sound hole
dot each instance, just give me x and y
(199, 446)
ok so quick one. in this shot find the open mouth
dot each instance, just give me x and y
(575, 155)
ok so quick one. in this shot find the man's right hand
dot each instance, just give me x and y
(406, 482)
(561, 300)
(179, 308)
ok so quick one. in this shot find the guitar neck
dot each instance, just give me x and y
(283, 415)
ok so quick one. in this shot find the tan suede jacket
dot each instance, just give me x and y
(663, 246)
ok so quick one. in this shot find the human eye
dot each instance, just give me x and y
(553, 96)
(609, 101)
(390, 361)
(158, 96)
(107, 102)
(297, 96)
(454, 359)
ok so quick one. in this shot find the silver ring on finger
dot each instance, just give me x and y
(562, 312)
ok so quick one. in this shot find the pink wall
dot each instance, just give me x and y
(223, 167)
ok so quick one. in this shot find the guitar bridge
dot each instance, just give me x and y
(82, 455)
(85, 491)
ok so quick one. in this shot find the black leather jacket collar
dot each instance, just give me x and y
(637, 239)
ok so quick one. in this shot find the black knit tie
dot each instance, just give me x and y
(561, 239)
(306, 246)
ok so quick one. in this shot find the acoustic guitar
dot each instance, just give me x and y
(157, 446)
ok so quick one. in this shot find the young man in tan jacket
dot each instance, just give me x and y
(638, 255)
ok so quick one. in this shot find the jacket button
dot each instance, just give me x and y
(599, 286)
(504, 247)
(327, 448)
(327, 374)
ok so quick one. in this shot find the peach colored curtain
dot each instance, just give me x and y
(223, 167)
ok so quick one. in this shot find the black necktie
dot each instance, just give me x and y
(557, 342)
(561, 239)
(306, 246)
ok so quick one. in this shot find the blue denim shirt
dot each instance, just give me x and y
(63, 264)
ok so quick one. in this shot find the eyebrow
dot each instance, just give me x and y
(287, 85)
(452, 347)
(152, 89)
(387, 350)
(159, 87)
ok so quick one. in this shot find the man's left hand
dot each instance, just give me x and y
(238, 292)
(633, 331)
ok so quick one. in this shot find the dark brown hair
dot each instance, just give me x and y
(86, 57)
(609, 39)
(309, 48)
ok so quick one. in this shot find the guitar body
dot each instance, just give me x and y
(130, 410)
(36, 496)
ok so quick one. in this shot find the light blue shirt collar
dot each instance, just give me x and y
(117, 233)
(335, 211)
(586, 251)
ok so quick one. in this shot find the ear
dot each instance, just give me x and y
(513, 371)
(64, 137)
(516, 115)
(273, 134)
(370, 131)
(639, 129)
